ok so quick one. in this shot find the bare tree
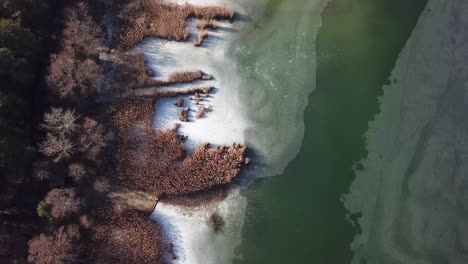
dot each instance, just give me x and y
(56, 147)
(58, 248)
(63, 202)
(41, 170)
(101, 185)
(77, 171)
(87, 77)
(81, 33)
(91, 139)
(60, 122)
(61, 74)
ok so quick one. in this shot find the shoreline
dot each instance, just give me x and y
(186, 227)
(165, 58)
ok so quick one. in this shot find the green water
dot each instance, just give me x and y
(298, 217)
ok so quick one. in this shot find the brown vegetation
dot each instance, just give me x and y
(65, 136)
(61, 247)
(201, 112)
(129, 72)
(81, 35)
(182, 77)
(203, 23)
(202, 34)
(183, 114)
(126, 237)
(63, 202)
(200, 198)
(69, 76)
(73, 71)
(148, 163)
(91, 139)
(155, 161)
(144, 18)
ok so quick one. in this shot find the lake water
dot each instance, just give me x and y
(298, 216)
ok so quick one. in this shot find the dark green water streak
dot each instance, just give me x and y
(298, 217)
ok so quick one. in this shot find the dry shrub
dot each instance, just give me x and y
(182, 77)
(63, 202)
(144, 18)
(201, 112)
(155, 161)
(126, 237)
(183, 114)
(61, 247)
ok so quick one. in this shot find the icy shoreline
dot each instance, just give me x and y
(193, 239)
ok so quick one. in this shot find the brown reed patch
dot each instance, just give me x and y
(144, 18)
(129, 72)
(126, 236)
(202, 34)
(156, 162)
(183, 77)
(203, 24)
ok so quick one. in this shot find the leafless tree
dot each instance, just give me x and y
(60, 122)
(81, 33)
(63, 202)
(77, 171)
(91, 139)
(101, 185)
(61, 247)
(61, 74)
(87, 77)
(56, 147)
(41, 170)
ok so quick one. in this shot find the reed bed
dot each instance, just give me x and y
(156, 161)
(144, 18)
(125, 236)
(203, 24)
(184, 77)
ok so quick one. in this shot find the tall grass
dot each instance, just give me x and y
(143, 18)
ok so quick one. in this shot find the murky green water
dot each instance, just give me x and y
(298, 217)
